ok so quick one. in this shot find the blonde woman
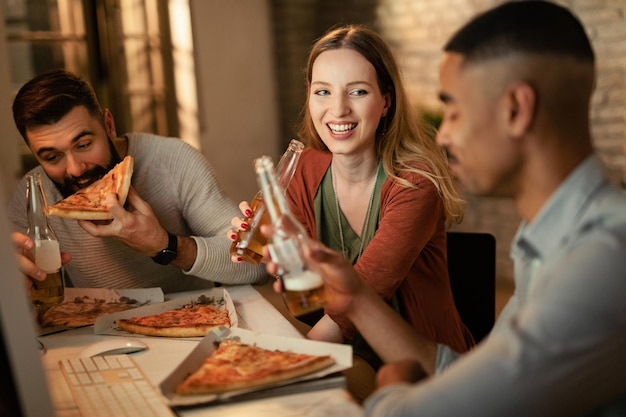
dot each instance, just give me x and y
(374, 186)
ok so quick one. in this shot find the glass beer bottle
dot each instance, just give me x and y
(46, 253)
(303, 288)
(250, 242)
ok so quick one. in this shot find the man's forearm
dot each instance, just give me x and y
(388, 333)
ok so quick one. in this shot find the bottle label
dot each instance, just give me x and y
(47, 255)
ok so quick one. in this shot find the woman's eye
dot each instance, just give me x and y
(358, 92)
(322, 92)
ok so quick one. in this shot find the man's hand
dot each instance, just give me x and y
(341, 282)
(405, 371)
(347, 294)
(136, 227)
(23, 248)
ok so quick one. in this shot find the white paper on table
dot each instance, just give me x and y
(342, 354)
(107, 324)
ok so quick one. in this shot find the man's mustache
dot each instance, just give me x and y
(72, 184)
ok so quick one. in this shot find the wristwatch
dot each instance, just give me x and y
(168, 254)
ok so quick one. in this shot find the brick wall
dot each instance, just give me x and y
(416, 31)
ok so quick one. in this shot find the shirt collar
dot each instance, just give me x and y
(557, 217)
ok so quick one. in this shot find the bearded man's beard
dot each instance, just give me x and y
(72, 184)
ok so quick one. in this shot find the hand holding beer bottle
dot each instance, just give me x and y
(304, 289)
(249, 243)
(46, 254)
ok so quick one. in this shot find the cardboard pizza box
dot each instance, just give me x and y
(107, 324)
(133, 297)
(322, 379)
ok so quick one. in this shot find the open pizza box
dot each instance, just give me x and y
(218, 296)
(80, 305)
(324, 378)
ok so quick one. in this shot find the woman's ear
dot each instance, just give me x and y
(387, 98)
(521, 102)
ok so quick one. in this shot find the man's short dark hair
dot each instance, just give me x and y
(49, 96)
(522, 26)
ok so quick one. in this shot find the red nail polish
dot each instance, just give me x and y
(239, 259)
(248, 213)
(244, 226)
(233, 236)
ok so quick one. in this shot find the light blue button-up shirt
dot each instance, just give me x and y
(559, 346)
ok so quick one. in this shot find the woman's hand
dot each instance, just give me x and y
(239, 225)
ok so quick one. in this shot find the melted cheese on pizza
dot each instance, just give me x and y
(234, 365)
(190, 314)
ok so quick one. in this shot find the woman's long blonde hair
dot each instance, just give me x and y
(402, 141)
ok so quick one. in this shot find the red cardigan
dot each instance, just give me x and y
(407, 253)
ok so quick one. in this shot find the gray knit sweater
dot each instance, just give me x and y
(180, 186)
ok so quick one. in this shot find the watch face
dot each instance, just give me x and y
(168, 254)
(165, 257)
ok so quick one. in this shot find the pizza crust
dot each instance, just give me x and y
(198, 330)
(83, 214)
(89, 203)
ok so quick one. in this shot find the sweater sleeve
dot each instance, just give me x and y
(188, 200)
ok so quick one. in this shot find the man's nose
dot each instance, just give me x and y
(442, 135)
(75, 167)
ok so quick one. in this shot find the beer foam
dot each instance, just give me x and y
(303, 281)
(47, 255)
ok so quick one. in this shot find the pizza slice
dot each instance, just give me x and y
(89, 202)
(190, 320)
(78, 313)
(234, 365)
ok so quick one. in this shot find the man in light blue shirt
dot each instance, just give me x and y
(516, 84)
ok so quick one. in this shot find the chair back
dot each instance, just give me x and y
(472, 269)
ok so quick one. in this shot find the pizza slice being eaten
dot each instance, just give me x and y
(89, 202)
(234, 365)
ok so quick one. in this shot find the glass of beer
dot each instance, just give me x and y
(249, 243)
(48, 292)
(46, 254)
(303, 288)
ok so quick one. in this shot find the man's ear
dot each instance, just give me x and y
(521, 100)
(109, 124)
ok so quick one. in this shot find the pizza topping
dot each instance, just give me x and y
(190, 320)
(186, 315)
(79, 313)
(234, 365)
(89, 202)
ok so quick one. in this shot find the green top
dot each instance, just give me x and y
(325, 208)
